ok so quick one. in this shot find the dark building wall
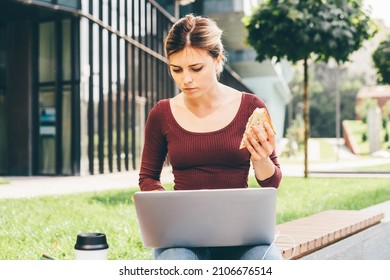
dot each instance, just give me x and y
(18, 88)
(19, 98)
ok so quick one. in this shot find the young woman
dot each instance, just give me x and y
(200, 131)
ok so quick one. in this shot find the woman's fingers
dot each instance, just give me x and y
(260, 143)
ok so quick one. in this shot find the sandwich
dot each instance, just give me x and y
(258, 118)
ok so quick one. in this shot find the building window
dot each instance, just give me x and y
(47, 99)
(55, 88)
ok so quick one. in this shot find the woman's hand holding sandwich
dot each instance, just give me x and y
(260, 144)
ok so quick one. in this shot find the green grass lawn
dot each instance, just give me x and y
(3, 181)
(358, 128)
(327, 151)
(30, 227)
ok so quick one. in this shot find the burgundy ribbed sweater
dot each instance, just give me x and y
(209, 160)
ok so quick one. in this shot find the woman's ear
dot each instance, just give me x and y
(218, 59)
(219, 65)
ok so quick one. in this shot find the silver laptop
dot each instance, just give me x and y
(206, 218)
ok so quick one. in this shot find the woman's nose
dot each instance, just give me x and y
(187, 78)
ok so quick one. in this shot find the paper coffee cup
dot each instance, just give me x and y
(91, 246)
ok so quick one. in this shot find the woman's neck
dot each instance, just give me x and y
(205, 104)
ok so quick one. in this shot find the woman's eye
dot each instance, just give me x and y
(176, 70)
(197, 69)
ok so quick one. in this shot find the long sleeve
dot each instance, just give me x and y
(276, 178)
(154, 152)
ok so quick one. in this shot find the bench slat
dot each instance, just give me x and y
(305, 235)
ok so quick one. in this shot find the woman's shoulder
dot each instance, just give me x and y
(161, 106)
(252, 100)
(159, 111)
(163, 102)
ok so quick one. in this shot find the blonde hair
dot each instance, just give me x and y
(198, 32)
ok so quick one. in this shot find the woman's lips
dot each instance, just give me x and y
(189, 89)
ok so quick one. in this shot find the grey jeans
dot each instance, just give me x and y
(259, 252)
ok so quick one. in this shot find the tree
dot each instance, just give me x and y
(300, 30)
(381, 57)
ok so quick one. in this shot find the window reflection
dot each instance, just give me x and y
(47, 130)
(66, 50)
(66, 130)
(46, 52)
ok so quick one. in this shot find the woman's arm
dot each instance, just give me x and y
(263, 157)
(154, 152)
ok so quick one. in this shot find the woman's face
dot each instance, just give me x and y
(194, 71)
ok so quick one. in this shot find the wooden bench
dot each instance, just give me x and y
(308, 234)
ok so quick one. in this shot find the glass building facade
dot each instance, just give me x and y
(77, 81)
